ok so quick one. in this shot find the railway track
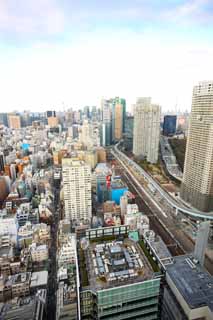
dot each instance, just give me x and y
(155, 223)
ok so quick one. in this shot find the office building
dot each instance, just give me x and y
(50, 113)
(24, 308)
(87, 112)
(2, 162)
(106, 108)
(89, 135)
(121, 283)
(128, 134)
(4, 119)
(197, 183)
(188, 291)
(14, 121)
(146, 130)
(201, 241)
(117, 189)
(169, 125)
(52, 122)
(118, 118)
(4, 191)
(77, 189)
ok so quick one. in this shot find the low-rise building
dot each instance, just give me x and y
(66, 302)
(25, 308)
(39, 280)
(39, 253)
(20, 284)
(67, 251)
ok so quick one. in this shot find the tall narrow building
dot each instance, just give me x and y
(118, 118)
(77, 189)
(197, 183)
(106, 108)
(14, 121)
(146, 132)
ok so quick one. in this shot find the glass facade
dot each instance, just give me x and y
(134, 301)
(169, 125)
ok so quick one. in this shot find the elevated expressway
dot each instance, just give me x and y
(177, 205)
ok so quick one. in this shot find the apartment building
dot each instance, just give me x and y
(77, 189)
(197, 183)
(146, 132)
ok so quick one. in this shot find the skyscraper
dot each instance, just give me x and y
(2, 161)
(169, 125)
(77, 189)
(106, 107)
(14, 121)
(118, 118)
(146, 129)
(197, 183)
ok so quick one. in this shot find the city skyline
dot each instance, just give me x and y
(64, 54)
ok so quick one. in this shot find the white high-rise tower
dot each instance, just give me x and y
(197, 183)
(146, 131)
(77, 189)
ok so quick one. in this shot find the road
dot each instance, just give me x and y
(169, 200)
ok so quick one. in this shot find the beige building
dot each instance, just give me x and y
(20, 284)
(101, 154)
(197, 183)
(14, 121)
(39, 253)
(77, 189)
(52, 121)
(146, 132)
(118, 121)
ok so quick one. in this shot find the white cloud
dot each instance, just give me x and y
(82, 73)
(31, 17)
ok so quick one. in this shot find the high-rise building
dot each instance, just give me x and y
(4, 119)
(25, 119)
(89, 135)
(50, 114)
(14, 121)
(2, 161)
(201, 241)
(128, 137)
(69, 117)
(146, 130)
(77, 189)
(52, 122)
(106, 107)
(197, 183)
(87, 112)
(169, 125)
(118, 118)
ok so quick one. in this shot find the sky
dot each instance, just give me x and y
(59, 54)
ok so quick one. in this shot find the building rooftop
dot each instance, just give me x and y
(72, 162)
(159, 249)
(39, 278)
(115, 263)
(117, 183)
(20, 277)
(192, 281)
(25, 308)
